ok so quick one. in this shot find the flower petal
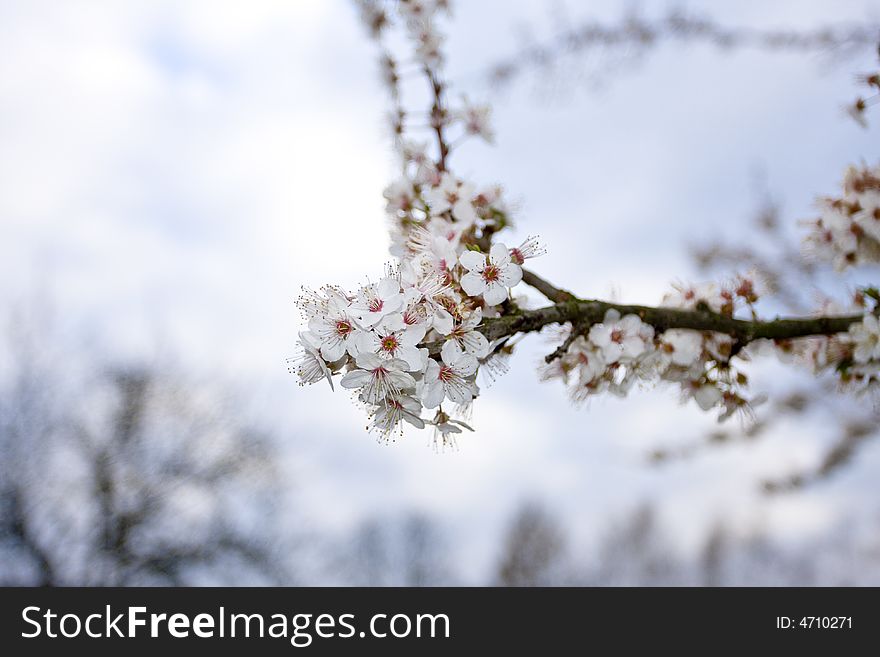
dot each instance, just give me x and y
(473, 284)
(495, 293)
(499, 254)
(451, 352)
(472, 260)
(356, 379)
(510, 275)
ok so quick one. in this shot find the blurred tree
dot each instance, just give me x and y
(533, 549)
(129, 476)
(406, 551)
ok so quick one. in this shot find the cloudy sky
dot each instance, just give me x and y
(173, 172)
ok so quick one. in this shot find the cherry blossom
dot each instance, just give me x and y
(865, 337)
(468, 338)
(389, 415)
(454, 196)
(621, 338)
(309, 366)
(476, 120)
(378, 379)
(489, 276)
(376, 300)
(449, 379)
(394, 339)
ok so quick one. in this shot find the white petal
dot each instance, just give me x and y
(473, 284)
(413, 335)
(476, 343)
(356, 379)
(387, 287)
(401, 380)
(333, 351)
(464, 211)
(442, 322)
(495, 293)
(466, 365)
(412, 356)
(499, 254)
(510, 275)
(472, 260)
(450, 352)
(433, 394)
(459, 394)
(474, 320)
(367, 360)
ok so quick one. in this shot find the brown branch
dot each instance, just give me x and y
(588, 312)
(553, 293)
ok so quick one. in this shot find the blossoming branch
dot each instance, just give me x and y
(410, 344)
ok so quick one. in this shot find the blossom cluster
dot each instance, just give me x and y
(409, 346)
(616, 353)
(410, 341)
(847, 233)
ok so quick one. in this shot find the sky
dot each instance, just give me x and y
(171, 174)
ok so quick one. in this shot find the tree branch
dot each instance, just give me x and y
(553, 293)
(588, 312)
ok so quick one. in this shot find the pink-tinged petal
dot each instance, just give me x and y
(465, 365)
(499, 254)
(476, 343)
(433, 394)
(442, 322)
(511, 275)
(368, 361)
(387, 287)
(450, 352)
(494, 294)
(356, 379)
(473, 284)
(472, 260)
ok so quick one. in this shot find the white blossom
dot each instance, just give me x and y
(394, 340)
(865, 336)
(308, 365)
(378, 379)
(470, 340)
(684, 347)
(454, 196)
(476, 120)
(449, 379)
(376, 300)
(621, 339)
(489, 276)
(388, 415)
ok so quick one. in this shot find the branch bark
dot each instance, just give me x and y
(586, 312)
